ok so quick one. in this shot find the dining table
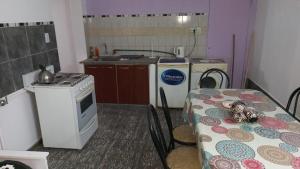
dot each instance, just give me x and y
(272, 142)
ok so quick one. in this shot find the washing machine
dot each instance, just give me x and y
(173, 76)
(198, 66)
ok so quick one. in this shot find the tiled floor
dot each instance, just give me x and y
(122, 141)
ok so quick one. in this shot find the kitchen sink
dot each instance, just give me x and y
(131, 57)
(120, 58)
(109, 58)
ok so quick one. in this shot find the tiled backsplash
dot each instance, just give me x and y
(156, 32)
(22, 49)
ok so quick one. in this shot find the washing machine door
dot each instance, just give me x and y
(208, 82)
(213, 81)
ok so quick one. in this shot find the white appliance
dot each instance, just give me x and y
(67, 110)
(199, 66)
(173, 76)
(179, 52)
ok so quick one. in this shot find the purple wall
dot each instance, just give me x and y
(98, 7)
(226, 17)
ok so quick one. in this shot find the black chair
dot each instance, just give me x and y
(207, 81)
(293, 97)
(182, 157)
(182, 134)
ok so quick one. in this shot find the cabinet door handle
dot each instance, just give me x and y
(108, 67)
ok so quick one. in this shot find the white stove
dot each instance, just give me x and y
(67, 110)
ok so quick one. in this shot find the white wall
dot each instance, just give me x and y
(18, 123)
(12, 11)
(19, 127)
(78, 34)
(67, 17)
(274, 62)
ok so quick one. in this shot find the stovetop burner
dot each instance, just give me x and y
(65, 83)
(76, 76)
(65, 79)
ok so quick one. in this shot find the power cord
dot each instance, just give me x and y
(195, 42)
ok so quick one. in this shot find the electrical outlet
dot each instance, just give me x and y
(47, 38)
(196, 29)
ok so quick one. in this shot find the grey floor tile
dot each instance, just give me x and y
(122, 141)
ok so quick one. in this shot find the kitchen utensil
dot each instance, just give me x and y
(45, 77)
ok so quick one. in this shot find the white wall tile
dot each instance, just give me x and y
(155, 41)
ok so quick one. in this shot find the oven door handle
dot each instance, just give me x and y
(84, 94)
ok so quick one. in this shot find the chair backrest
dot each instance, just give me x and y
(167, 117)
(205, 76)
(293, 97)
(157, 135)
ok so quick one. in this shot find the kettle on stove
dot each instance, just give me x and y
(45, 76)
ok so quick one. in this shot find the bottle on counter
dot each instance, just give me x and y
(96, 53)
(92, 52)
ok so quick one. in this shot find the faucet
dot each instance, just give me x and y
(105, 49)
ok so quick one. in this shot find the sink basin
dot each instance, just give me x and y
(130, 57)
(109, 58)
(120, 58)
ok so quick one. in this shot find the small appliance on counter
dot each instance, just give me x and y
(67, 109)
(179, 52)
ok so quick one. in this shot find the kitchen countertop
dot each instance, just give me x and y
(200, 61)
(139, 61)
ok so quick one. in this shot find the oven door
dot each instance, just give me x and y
(86, 106)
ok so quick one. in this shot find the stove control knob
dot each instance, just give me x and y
(81, 88)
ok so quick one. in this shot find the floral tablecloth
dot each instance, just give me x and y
(272, 142)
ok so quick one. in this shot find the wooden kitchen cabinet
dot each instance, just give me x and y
(141, 84)
(124, 84)
(105, 82)
(125, 79)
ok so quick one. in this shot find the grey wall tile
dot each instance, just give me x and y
(16, 41)
(6, 80)
(53, 59)
(22, 49)
(51, 30)
(3, 53)
(20, 67)
(39, 59)
(36, 39)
